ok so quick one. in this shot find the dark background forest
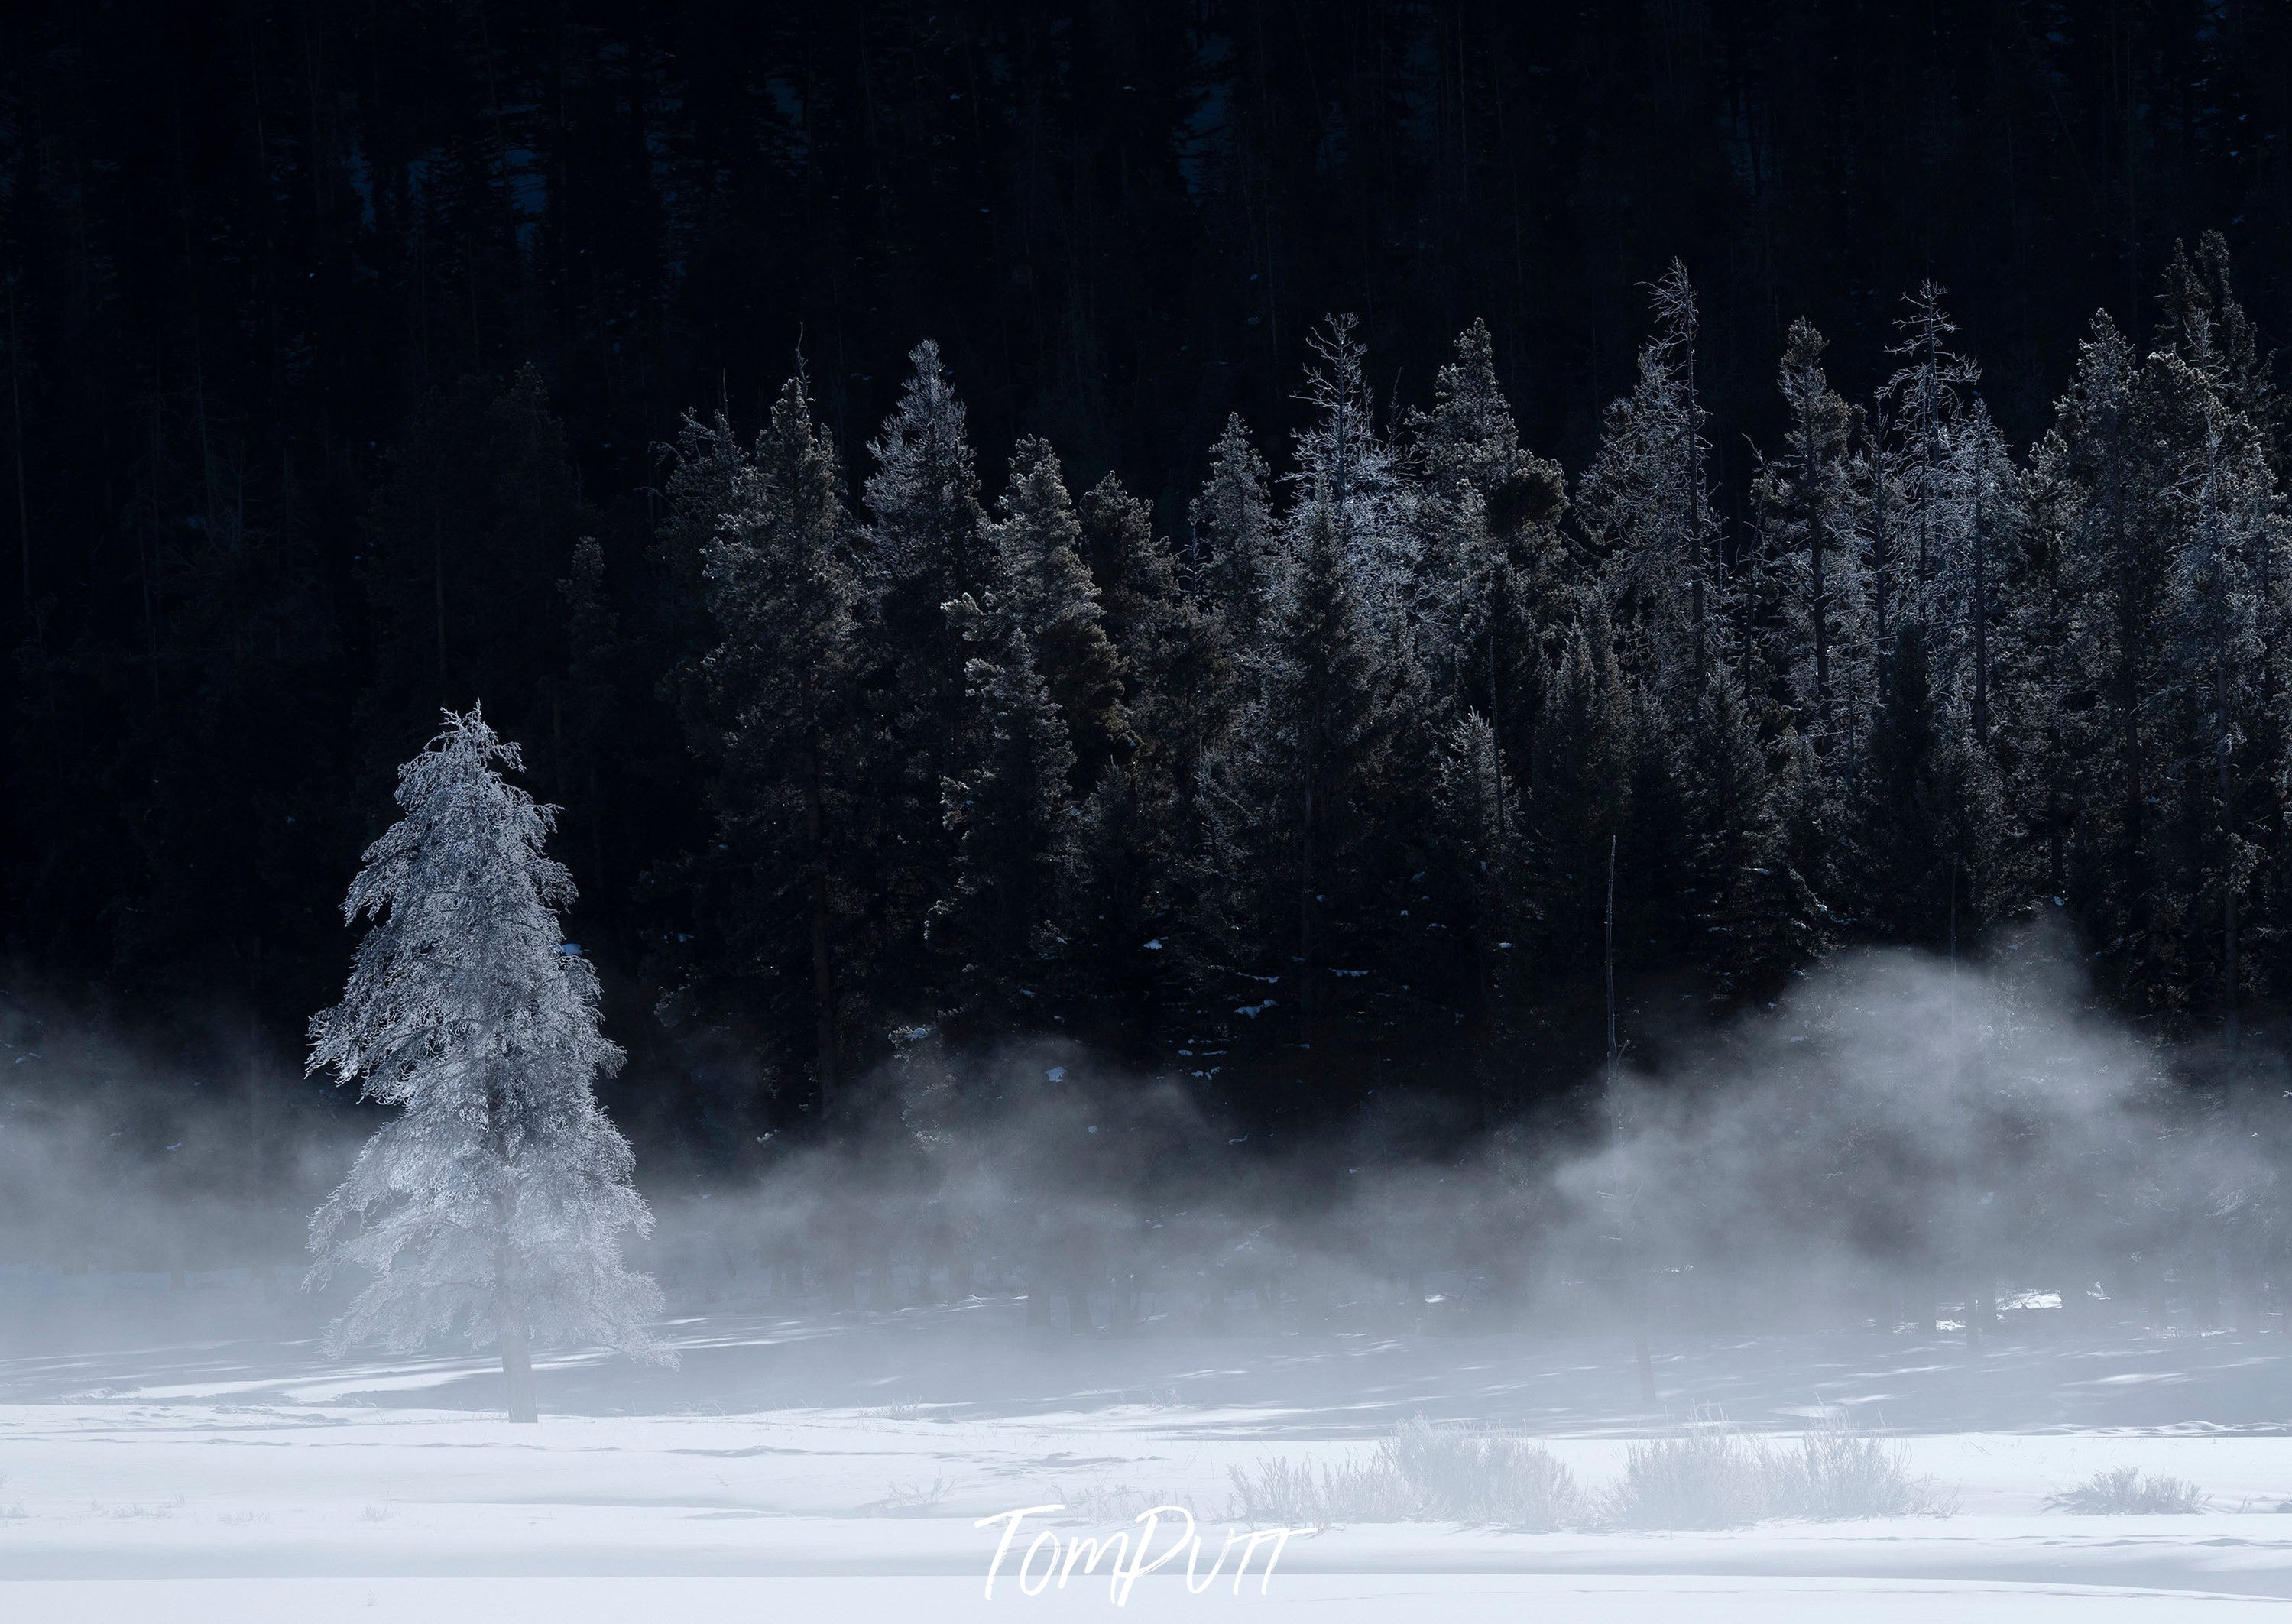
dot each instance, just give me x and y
(334, 334)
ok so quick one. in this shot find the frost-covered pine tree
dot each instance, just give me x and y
(1646, 508)
(1233, 546)
(1579, 793)
(778, 713)
(1012, 814)
(1143, 927)
(1317, 784)
(1045, 590)
(1348, 478)
(2090, 642)
(1482, 845)
(491, 1205)
(2215, 692)
(927, 543)
(1810, 626)
(1982, 520)
(1923, 394)
(1489, 560)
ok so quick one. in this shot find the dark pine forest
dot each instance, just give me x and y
(1210, 530)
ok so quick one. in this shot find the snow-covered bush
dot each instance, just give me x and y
(2123, 1490)
(1294, 1493)
(1482, 1475)
(1839, 1471)
(1449, 1474)
(1705, 1476)
(1111, 1502)
(1710, 1476)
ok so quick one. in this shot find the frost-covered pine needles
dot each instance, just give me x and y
(492, 1204)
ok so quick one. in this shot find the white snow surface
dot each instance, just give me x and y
(832, 1466)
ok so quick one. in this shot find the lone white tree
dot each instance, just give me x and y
(492, 1203)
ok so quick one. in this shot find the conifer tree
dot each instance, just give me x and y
(2208, 326)
(2042, 742)
(1012, 814)
(1234, 544)
(780, 719)
(1647, 514)
(1491, 565)
(1483, 844)
(1928, 819)
(1316, 764)
(2213, 688)
(491, 1205)
(1813, 564)
(1881, 496)
(2205, 324)
(1348, 478)
(1579, 791)
(1925, 401)
(1754, 915)
(926, 544)
(1983, 523)
(1046, 589)
(706, 465)
(1182, 671)
(1902, 846)
(1654, 913)
(1145, 917)
(2089, 494)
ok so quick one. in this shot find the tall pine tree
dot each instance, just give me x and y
(491, 1205)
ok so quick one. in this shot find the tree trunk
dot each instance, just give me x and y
(823, 977)
(1980, 596)
(1819, 597)
(1881, 667)
(1305, 917)
(2228, 882)
(517, 1364)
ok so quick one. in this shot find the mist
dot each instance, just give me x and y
(1897, 1134)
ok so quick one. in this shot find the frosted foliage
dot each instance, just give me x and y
(2229, 540)
(924, 494)
(1936, 463)
(1233, 527)
(1349, 478)
(1978, 518)
(1646, 505)
(499, 1187)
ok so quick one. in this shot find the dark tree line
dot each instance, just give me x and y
(342, 349)
(1343, 787)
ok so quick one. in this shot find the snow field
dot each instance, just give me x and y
(836, 1467)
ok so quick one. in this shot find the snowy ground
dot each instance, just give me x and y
(832, 1466)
